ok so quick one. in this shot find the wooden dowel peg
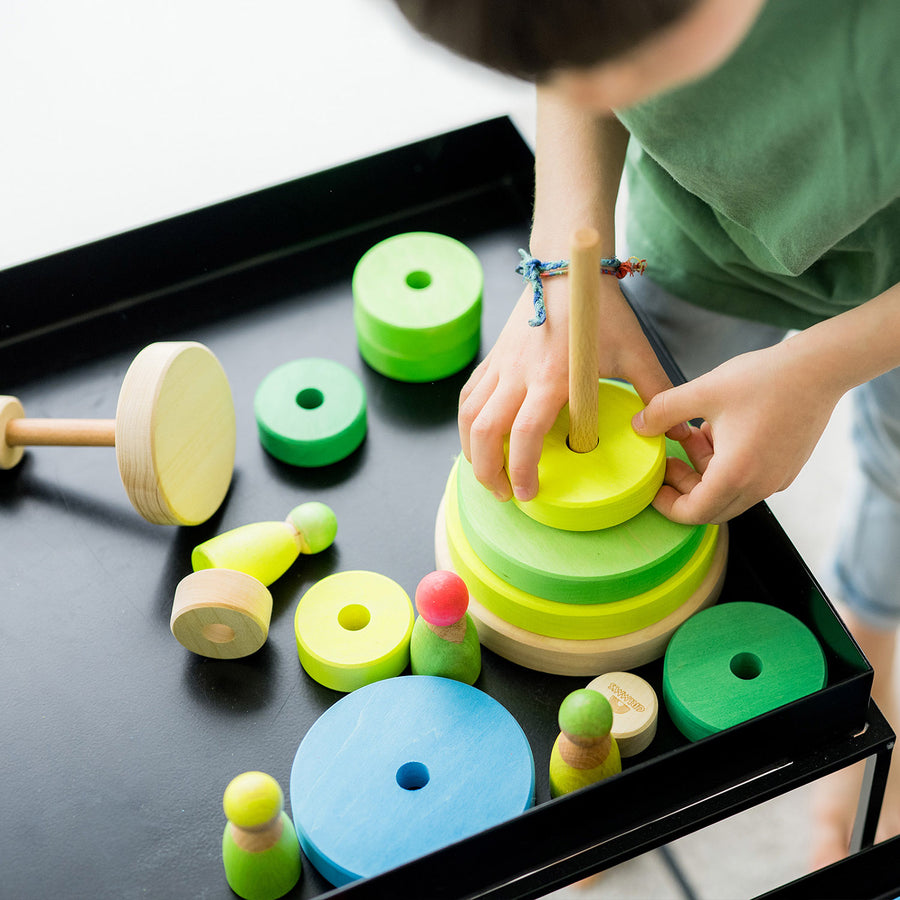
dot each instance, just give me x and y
(174, 433)
(61, 433)
(584, 351)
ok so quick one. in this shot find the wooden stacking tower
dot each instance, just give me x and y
(587, 577)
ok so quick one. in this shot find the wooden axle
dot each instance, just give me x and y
(60, 433)
(584, 350)
(174, 433)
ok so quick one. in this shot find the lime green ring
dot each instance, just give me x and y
(310, 412)
(417, 306)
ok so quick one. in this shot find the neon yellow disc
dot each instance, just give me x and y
(353, 628)
(582, 621)
(607, 485)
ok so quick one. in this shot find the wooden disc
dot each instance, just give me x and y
(175, 433)
(403, 767)
(571, 566)
(635, 709)
(573, 620)
(10, 408)
(607, 485)
(417, 306)
(310, 412)
(221, 613)
(737, 661)
(353, 628)
(559, 656)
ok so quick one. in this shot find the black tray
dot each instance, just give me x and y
(117, 742)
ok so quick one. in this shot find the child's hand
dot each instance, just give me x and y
(764, 413)
(522, 384)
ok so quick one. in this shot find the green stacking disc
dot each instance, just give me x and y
(735, 661)
(310, 412)
(417, 306)
(572, 566)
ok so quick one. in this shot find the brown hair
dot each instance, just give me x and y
(532, 38)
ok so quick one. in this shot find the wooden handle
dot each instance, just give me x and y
(61, 432)
(584, 352)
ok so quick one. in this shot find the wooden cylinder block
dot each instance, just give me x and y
(221, 613)
(417, 306)
(635, 709)
(604, 486)
(559, 656)
(737, 661)
(353, 628)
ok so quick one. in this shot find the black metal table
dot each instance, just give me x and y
(117, 743)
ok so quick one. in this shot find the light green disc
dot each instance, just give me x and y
(572, 566)
(417, 306)
(735, 661)
(310, 412)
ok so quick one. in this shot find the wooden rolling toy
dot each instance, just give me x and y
(444, 640)
(174, 433)
(260, 850)
(585, 752)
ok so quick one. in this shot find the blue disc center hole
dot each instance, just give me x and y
(418, 280)
(413, 776)
(310, 398)
(746, 666)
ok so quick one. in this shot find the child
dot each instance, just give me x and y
(759, 141)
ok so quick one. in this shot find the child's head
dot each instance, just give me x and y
(602, 54)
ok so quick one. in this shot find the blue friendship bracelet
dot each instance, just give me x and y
(532, 269)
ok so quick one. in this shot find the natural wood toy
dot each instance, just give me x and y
(403, 767)
(310, 412)
(444, 639)
(635, 710)
(586, 577)
(736, 661)
(585, 752)
(221, 613)
(417, 306)
(266, 550)
(260, 850)
(353, 628)
(174, 433)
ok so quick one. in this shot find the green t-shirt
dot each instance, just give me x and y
(770, 189)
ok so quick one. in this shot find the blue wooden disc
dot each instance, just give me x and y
(402, 767)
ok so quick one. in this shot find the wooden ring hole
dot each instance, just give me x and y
(413, 776)
(310, 398)
(218, 633)
(418, 280)
(354, 617)
(746, 666)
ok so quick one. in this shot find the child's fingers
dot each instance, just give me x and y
(472, 398)
(486, 438)
(526, 441)
(667, 411)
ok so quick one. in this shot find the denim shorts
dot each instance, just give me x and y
(865, 564)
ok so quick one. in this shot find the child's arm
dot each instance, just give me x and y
(521, 385)
(765, 411)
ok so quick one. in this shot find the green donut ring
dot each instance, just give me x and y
(732, 662)
(310, 412)
(417, 306)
